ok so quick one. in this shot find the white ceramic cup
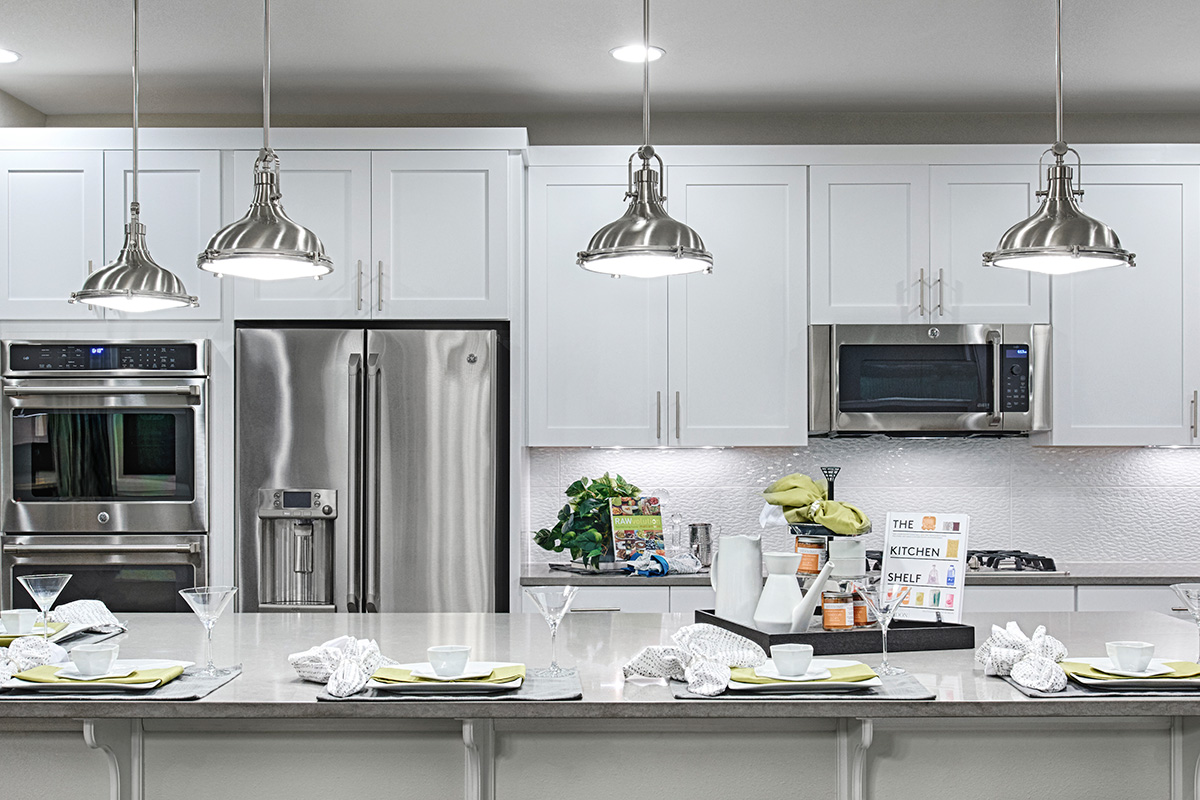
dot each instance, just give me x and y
(18, 620)
(449, 659)
(1130, 656)
(94, 659)
(792, 660)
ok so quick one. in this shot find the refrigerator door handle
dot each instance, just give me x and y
(354, 518)
(374, 436)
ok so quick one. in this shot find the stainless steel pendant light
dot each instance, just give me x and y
(134, 282)
(1059, 238)
(266, 244)
(646, 242)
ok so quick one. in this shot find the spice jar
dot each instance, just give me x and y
(837, 610)
(812, 550)
(863, 616)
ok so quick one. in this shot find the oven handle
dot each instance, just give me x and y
(191, 390)
(192, 547)
(993, 338)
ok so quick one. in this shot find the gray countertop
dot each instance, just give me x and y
(599, 643)
(1134, 573)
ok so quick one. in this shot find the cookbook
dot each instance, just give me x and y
(636, 526)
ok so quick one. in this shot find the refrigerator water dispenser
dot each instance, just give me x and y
(295, 539)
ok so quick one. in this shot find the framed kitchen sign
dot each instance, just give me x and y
(928, 552)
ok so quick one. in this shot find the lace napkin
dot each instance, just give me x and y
(1030, 661)
(344, 664)
(92, 614)
(29, 652)
(702, 656)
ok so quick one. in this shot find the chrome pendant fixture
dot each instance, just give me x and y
(1059, 239)
(134, 282)
(266, 244)
(646, 242)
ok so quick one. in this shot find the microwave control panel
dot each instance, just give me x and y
(60, 357)
(1014, 377)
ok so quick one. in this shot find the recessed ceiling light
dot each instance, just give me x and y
(8, 56)
(636, 54)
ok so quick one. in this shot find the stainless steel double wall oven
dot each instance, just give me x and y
(104, 469)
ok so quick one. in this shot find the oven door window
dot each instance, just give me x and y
(904, 379)
(123, 588)
(102, 455)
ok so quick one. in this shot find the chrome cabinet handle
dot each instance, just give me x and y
(358, 289)
(658, 415)
(941, 291)
(993, 338)
(921, 293)
(379, 284)
(374, 420)
(1195, 402)
(354, 517)
(677, 410)
(89, 305)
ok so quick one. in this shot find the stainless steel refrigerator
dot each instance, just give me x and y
(371, 468)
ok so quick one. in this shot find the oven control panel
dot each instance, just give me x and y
(106, 357)
(1014, 377)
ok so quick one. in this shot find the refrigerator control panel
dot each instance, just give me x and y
(297, 503)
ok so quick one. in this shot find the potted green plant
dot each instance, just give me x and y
(584, 526)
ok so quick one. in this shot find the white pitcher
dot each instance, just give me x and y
(782, 606)
(737, 577)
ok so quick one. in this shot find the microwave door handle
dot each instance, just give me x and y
(191, 390)
(374, 445)
(993, 338)
(354, 477)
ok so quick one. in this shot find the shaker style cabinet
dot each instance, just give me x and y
(905, 244)
(692, 360)
(52, 223)
(1125, 366)
(180, 198)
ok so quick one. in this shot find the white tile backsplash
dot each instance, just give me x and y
(1076, 504)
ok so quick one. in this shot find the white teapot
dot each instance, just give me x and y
(782, 606)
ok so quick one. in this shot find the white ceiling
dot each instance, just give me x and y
(551, 56)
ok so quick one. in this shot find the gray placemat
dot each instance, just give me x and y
(188, 686)
(1074, 689)
(895, 687)
(535, 687)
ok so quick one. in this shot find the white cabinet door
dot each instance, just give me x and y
(1126, 598)
(1011, 599)
(329, 193)
(970, 208)
(689, 599)
(1125, 340)
(869, 244)
(440, 234)
(597, 346)
(180, 198)
(738, 353)
(52, 221)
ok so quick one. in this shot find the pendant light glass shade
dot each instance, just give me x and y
(645, 242)
(266, 244)
(1059, 239)
(134, 282)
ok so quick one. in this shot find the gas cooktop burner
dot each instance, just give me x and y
(1016, 560)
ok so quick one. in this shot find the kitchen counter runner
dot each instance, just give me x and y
(1150, 573)
(599, 643)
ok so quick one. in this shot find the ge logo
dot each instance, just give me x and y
(934, 333)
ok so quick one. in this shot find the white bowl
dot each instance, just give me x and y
(1130, 656)
(449, 659)
(94, 659)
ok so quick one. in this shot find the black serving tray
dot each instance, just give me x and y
(902, 635)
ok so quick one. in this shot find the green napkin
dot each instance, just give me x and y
(498, 675)
(797, 494)
(7, 639)
(851, 674)
(48, 674)
(1180, 669)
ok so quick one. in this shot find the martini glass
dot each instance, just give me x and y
(44, 589)
(553, 602)
(884, 604)
(208, 602)
(1189, 593)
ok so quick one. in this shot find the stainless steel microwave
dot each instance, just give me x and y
(929, 378)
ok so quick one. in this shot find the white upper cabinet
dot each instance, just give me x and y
(51, 220)
(1125, 340)
(738, 356)
(328, 192)
(597, 371)
(870, 244)
(440, 234)
(180, 198)
(905, 244)
(970, 209)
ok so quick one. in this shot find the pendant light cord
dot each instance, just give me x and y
(266, 74)
(1060, 145)
(136, 71)
(646, 73)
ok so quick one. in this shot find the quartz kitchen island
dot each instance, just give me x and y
(265, 735)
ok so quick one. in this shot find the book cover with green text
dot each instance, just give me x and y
(636, 526)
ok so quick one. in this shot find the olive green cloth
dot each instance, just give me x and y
(498, 675)
(55, 627)
(804, 500)
(853, 674)
(1180, 669)
(48, 673)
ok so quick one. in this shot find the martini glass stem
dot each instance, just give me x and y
(554, 647)
(211, 668)
(884, 667)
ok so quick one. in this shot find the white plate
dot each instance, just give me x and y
(830, 687)
(451, 687)
(1134, 683)
(1157, 667)
(101, 686)
(71, 672)
(37, 631)
(475, 669)
(815, 672)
